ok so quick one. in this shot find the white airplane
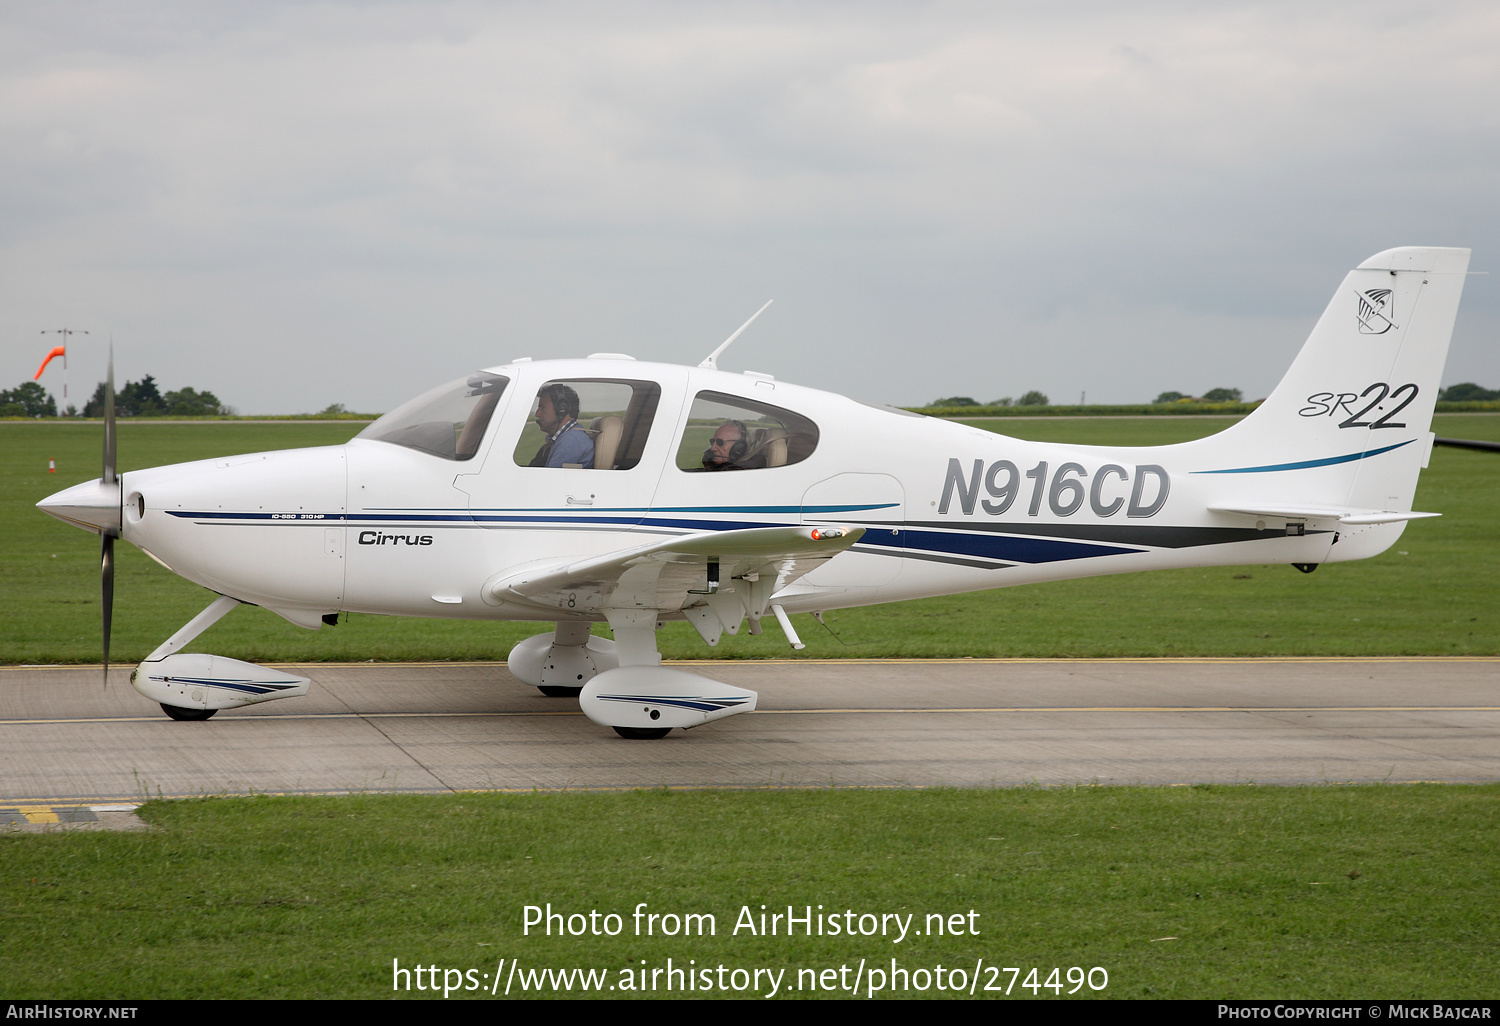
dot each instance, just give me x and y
(604, 489)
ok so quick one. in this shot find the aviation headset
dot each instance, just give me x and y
(564, 400)
(737, 449)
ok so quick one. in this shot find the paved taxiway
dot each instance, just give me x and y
(453, 726)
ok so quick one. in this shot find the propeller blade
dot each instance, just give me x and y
(107, 591)
(107, 536)
(108, 477)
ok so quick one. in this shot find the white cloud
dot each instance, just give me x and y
(278, 201)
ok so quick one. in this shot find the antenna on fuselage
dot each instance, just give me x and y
(712, 363)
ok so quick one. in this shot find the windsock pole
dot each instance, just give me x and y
(62, 351)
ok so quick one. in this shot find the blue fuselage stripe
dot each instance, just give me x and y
(253, 687)
(1309, 464)
(987, 545)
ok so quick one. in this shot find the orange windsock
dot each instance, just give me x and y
(56, 351)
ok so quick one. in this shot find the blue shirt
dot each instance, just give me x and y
(571, 444)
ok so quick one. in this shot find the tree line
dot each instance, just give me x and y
(27, 400)
(1467, 392)
(1032, 398)
(1035, 398)
(141, 398)
(1464, 392)
(1213, 395)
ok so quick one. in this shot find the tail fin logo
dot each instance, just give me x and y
(1375, 311)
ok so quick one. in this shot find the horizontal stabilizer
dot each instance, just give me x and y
(1468, 443)
(1343, 514)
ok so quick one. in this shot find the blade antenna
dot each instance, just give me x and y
(712, 363)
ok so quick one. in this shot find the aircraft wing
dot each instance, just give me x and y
(674, 574)
(1343, 514)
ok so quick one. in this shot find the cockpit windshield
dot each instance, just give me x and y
(448, 421)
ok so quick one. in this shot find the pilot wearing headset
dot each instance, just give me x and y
(728, 447)
(567, 444)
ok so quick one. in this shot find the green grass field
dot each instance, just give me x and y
(1203, 892)
(1222, 892)
(1435, 593)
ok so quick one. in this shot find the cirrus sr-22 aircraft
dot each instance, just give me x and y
(606, 489)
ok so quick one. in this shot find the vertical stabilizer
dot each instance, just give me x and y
(1350, 423)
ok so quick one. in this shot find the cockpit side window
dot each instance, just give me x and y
(589, 424)
(448, 421)
(726, 432)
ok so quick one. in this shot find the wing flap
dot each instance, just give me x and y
(672, 574)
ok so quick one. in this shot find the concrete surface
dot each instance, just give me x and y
(452, 726)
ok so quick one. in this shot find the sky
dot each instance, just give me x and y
(298, 204)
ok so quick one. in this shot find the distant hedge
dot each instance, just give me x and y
(1470, 406)
(169, 418)
(1141, 410)
(1149, 410)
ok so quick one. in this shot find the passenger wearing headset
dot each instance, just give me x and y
(567, 444)
(728, 447)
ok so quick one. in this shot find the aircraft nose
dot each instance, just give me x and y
(93, 506)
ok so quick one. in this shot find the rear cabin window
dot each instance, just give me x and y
(448, 421)
(588, 424)
(726, 432)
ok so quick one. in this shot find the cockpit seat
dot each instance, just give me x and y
(768, 449)
(606, 433)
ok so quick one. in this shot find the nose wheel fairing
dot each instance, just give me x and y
(193, 685)
(197, 680)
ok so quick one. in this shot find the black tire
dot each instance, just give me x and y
(643, 733)
(557, 691)
(177, 712)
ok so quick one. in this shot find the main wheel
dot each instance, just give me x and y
(177, 712)
(643, 733)
(557, 691)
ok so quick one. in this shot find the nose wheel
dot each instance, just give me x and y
(177, 712)
(643, 733)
